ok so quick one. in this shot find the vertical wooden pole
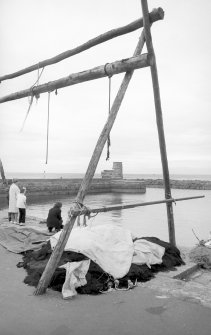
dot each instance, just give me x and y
(159, 119)
(2, 173)
(56, 255)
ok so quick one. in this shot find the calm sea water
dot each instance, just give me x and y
(143, 221)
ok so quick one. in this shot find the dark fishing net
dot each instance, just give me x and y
(34, 262)
(201, 255)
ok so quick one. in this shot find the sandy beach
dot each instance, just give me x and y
(162, 305)
(139, 311)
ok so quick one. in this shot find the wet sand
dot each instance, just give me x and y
(139, 311)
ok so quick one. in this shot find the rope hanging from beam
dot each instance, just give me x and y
(109, 109)
(49, 94)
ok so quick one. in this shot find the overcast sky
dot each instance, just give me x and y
(34, 30)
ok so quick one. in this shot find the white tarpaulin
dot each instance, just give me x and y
(75, 277)
(146, 252)
(111, 247)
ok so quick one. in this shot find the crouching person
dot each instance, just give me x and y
(54, 219)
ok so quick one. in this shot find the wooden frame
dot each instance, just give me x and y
(128, 66)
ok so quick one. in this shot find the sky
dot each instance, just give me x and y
(34, 30)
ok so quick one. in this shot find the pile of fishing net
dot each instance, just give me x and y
(201, 255)
(97, 280)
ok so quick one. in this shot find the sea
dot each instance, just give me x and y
(192, 218)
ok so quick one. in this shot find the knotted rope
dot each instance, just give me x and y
(81, 208)
(39, 74)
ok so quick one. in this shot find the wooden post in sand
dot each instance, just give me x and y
(56, 255)
(2, 173)
(159, 119)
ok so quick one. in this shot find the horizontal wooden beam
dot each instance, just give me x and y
(120, 66)
(126, 206)
(155, 15)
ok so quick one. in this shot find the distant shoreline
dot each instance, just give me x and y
(70, 185)
(39, 184)
(180, 184)
(148, 176)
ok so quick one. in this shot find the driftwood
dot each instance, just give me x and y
(159, 119)
(79, 77)
(155, 15)
(56, 255)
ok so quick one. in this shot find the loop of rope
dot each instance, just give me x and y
(81, 208)
(109, 75)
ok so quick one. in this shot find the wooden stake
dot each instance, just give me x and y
(2, 173)
(56, 255)
(155, 15)
(127, 206)
(159, 119)
(79, 77)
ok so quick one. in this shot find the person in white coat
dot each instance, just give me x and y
(13, 193)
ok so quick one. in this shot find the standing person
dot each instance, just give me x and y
(54, 219)
(13, 192)
(21, 204)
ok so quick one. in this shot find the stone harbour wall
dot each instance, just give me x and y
(48, 187)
